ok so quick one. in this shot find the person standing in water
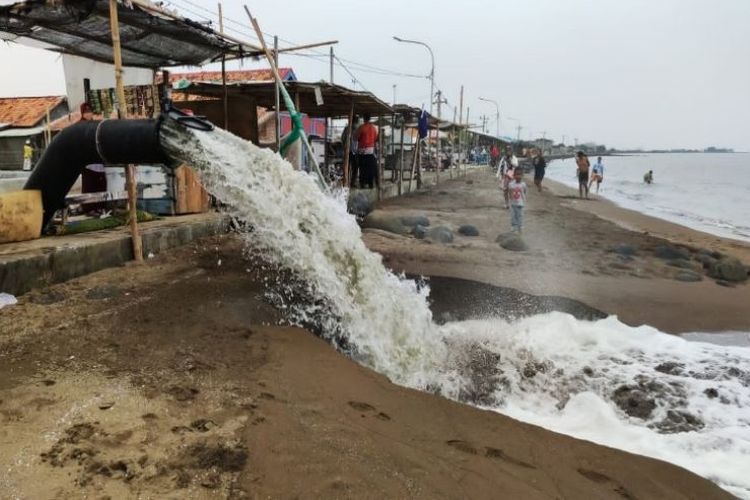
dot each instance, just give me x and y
(540, 166)
(518, 190)
(582, 161)
(597, 174)
(648, 177)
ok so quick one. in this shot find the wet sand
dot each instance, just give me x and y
(571, 243)
(169, 380)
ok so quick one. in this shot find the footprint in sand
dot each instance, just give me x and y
(367, 408)
(493, 453)
(600, 478)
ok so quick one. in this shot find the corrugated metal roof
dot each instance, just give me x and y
(150, 36)
(26, 111)
(237, 76)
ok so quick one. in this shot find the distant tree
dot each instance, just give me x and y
(601, 148)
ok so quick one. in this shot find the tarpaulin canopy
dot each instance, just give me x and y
(150, 37)
(315, 99)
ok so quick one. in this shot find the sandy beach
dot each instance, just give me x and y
(170, 380)
(570, 254)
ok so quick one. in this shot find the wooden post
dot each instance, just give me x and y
(348, 147)
(415, 165)
(122, 114)
(224, 73)
(460, 130)
(393, 147)
(277, 95)
(401, 160)
(380, 158)
(437, 133)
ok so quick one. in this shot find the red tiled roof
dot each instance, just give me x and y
(26, 111)
(251, 75)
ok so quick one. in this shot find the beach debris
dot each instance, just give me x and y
(7, 299)
(728, 269)
(670, 252)
(512, 242)
(360, 205)
(440, 234)
(688, 276)
(415, 220)
(468, 230)
(380, 220)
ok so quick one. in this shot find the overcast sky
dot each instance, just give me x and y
(635, 73)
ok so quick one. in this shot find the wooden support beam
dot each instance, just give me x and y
(348, 149)
(401, 162)
(122, 114)
(224, 73)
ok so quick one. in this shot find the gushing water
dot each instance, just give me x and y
(632, 388)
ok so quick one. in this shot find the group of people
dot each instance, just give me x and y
(363, 164)
(586, 179)
(512, 184)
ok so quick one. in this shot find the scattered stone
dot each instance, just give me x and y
(711, 393)
(681, 263)
(680, 421)
(469, 182)
(706, 260)
(512, 242)
(468, 230)
(380, 220)
(440, 234)
(106, 405)
(202, 425)
(725, 283)
(670, 368)
(360, 205)
(415, 220)
(419, 232)
(625, 250)
(103, 292)
(670, 252)
(688, 276)
(729, 269)
(634, 401)
(48, 297)
(588, 371)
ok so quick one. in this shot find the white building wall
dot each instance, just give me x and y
(101, 75)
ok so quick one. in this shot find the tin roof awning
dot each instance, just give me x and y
(318, 99)
(150, 36)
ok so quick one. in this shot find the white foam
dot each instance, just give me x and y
(551, 370)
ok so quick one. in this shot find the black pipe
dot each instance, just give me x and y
(110, 142)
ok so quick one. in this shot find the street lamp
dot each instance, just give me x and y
(497, 108)
(431, 76)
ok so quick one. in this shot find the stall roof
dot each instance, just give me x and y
(150, 37)
(336, 100)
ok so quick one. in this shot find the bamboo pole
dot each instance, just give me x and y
(414, 161)
(122, 114)
(287, 99)
(348, 147)
(401, 161)
(380, 158)
(224, 73)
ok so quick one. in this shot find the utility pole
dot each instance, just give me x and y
(563, 140)
(394, 94)
(331, 64)
(518, 136)
(439, 116)
(460, 121)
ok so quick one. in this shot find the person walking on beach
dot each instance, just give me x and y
(518, 190)
(597, 174)
(28, 155)
(582, 161)
(540, 166)
(367, 138)
(505, 172)
(494, 156)
(346, 136)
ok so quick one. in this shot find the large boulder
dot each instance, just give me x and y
(360, 205)
(419, 232)
(512, 242)
(729, 269)
(634, 401)
(382, 220)
(415, 220)
(468, 230)
(440, 234)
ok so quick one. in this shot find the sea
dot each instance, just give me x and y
(709, 192)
